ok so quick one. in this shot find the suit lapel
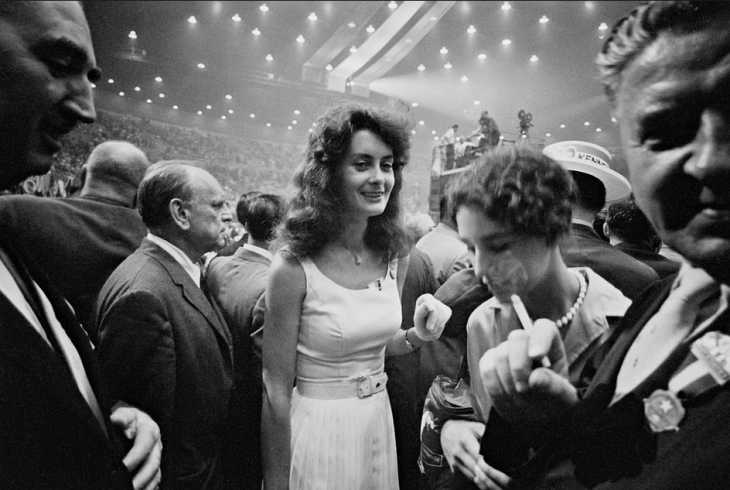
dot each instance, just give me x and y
(193, 294)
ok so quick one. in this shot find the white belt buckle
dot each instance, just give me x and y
(369, 385)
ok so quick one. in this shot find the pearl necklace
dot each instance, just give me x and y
(568, 317)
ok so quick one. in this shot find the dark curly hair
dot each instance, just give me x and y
(632, 34)
(315, 210)
(520, 188)
(630, 224)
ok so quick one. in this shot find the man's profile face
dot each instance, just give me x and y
(673, 108)
(209, 213)
(47, 65)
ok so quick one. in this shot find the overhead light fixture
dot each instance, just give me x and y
(506, 42)
(370, 29)
(111, 80)
(201, 65)
(476, 102)
(223, 117)
(230, 111)
(464, 78)
(229, 97)
(351, 25)
(208, 107)
(598, 130)
(448, 66)
(252, 115)
(121, 94)
(471, 30)
(297, 112)
(269, 57)
(312, 16)
(192, 19)
(414, 104)
(174, 107)
(353, 49)
(482, 56)
(256, 31)
(264, 8)
(268, 125)
(603, 26)
(506, 6)
(562, 126)
(392, 5)
(421, 67)
(136, 89)
(328, 68)
(586, 123)
(533, 58)
(544, 20)
(162, 96)
(547, 135)
(132, 35)
(443, 50)
(421, 122)
(158, 79)
(200, 113)
(300, 38)
(149, 101)
(236, 18)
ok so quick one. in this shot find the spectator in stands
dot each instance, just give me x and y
(58, 427)
(242, 215)
(448, 141)
(92, 233)
(162, 343)
(631, 232)
(448, 254)
(236, 283)
(596, 183)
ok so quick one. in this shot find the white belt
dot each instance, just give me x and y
(362, 387)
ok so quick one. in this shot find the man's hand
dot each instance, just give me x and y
(460, 441)
(522, 391)
(143, 459)
(430, 317)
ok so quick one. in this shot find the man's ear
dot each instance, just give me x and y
(180, 213)
(606, 230)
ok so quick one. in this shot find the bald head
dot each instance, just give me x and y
(114, 170)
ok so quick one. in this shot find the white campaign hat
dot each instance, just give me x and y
(591, 159)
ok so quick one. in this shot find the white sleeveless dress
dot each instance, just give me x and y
(341, 441)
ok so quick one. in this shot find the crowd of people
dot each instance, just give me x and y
(141, 349)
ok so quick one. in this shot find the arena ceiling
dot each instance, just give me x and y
(271, 64)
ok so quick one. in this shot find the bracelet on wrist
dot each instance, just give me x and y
(408, 342)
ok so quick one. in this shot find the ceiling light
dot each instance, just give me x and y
(192, 19)
(421, 122)
(252, 115)
(444, 50)
(544, 20)
(201, 65)
(297, 112)
(230, 111)
(111, 80)
(482, 56)
(223, 117)
(136, 89)
(448, 66)
(268, 125)
(289, 128)
(562, 126)
(476, 102)
(602, 27)
(174, 107)
(264, 8)
(433, 131)
(533, 58)
(300, 39)
(158, 79)
(413, 131)
(328, 67)
(613, 119)
(421, 67)
(312, 16)
(506, 42)
(370, 29)
(229, 97)
(149, 101)
(351, 25)
(524, 135)
(200, 113)
(269, 57)
(547, 135)
(236, 18)
(392, 5)
(353, 49)
(256, 31)
(586, 123)
(506, 6)
(162, 96)
(208, 107)
(132, 35)
(121, 94)
(471, 30)
(414, 104)
(464, 78)
(598, 130)
(294, 121)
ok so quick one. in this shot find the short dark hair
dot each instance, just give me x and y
(632, 34)
(629, 223)
(265, 212)
(164, 181)
(315, 210)
(590, 191)
(521, 188)
(242, 206)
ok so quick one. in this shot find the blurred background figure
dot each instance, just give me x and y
(241, 214)
(448, 141)
(419, 224)
(630, 231)
(79, 241)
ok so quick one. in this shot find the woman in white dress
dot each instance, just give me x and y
(333, 308)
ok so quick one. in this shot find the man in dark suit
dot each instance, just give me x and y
(162, 344)
(58, 428)
(236, 283)
(655, 414)
(596, 184)
(630, 231)
(92, 233)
